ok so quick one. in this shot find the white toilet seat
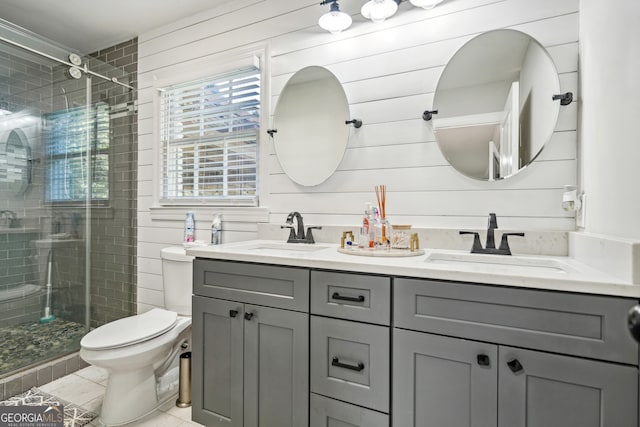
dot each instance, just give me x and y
(130, 330)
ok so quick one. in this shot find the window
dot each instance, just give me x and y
(67, 132)
(209, 131)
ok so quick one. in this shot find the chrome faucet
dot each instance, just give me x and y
(298, 236)
(490, 245)
(12, 218)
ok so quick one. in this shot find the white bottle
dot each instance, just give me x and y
(189, 228)
(216, 229)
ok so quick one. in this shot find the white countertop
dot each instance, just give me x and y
(539, 272)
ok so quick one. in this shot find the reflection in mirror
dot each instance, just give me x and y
(16, 173)
(495, 105)
(310, 120)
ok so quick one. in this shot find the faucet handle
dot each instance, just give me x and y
(477, 246)
(292, 233)
(309, 236)
(504, 243)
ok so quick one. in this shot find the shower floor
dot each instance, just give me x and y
(31, 343)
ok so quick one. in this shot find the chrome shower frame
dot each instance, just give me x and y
(72, 66)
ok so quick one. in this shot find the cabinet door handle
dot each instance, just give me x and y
(248, 316)
(233, 313)
(359, 298)
(336, 362)
(633, 319)
(515, 366)
(483, 360)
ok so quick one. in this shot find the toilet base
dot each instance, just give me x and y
(129, 396)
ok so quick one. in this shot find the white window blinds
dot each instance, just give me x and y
(67, 148)
(209, 132)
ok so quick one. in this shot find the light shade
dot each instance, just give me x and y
(425, 4)
(335, 21)
(379, 10)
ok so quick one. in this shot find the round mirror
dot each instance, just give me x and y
(310, 120)
(18, 162)
(495, 105)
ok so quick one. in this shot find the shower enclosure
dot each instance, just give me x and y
(67, 197)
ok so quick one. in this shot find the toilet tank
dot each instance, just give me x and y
(177, 277)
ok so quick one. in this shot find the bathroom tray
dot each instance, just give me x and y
(381, 252)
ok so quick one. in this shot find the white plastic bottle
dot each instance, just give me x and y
(189, 228)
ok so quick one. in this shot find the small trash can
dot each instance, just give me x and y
(184, 386)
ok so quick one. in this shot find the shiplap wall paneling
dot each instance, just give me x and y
(389, 72)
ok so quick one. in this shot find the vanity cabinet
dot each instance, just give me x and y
(250, 362)
(299, 347)
(459, 366)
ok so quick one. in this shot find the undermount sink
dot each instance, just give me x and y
(498, 263)
(276, 247)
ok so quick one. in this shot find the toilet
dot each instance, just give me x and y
(140, 353)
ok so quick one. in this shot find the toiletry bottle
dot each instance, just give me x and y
(364, 240)
(189, 228)
(216, 229)
(371, 216)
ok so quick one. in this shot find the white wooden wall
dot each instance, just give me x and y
(389, 72)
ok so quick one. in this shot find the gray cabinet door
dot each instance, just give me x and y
(361, 297)
(590, 326)
(270, 285)
(548, 390)
(327, 412)
(443, 382)
(276, 368)
(217, 362)
(350, 362)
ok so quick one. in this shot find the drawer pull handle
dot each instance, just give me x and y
(359, 298)
(515, 366)
(483, 360)
(233, 313)
(336, 362)
(248, 316)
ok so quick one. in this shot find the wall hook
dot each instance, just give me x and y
(565, 98)
(271, 132)
(428, 115)
(355, 122)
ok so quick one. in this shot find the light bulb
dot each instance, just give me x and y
(335, 21)
(379, 10)
(425, 4)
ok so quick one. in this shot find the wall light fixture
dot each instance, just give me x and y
(335, 20)
(425, 4)
(379, 10)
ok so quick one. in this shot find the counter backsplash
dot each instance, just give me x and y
(553, 243)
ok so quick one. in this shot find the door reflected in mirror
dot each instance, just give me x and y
(311, 135)
(495, 105)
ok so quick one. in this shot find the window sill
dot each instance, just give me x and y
(251, 214)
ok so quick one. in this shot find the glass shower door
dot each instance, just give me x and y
(57, 200)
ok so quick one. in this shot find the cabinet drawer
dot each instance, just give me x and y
(274, 286)
(584, 325)
(328, 412)
(351, 296)
(350, 361)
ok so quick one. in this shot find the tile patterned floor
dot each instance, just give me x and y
(86, 388)
(23, 345)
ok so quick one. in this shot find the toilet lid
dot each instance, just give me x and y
(130, 330)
